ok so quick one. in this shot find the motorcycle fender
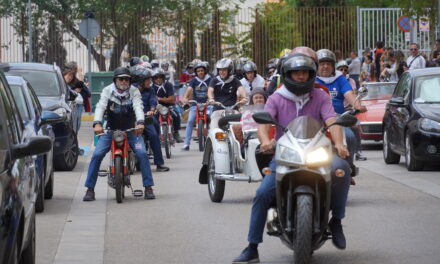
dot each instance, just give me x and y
(251, 168)
(220, 150)
(305, 189)
(117, 152)
(203, 174)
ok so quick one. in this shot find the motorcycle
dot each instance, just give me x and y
(202, 124)
(225, 159)
(303, 184)
(166, 128)
(122, 164)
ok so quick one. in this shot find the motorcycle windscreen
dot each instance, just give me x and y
(247, 122)
(304, 127)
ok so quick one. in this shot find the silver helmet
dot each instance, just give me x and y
(225, 63)
(250, 67)
(326, 55)
(341, 63)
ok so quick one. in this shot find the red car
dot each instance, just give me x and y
(370, 127)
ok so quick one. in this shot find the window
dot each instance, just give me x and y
(18, 94)
(403, 86)
(44, 83)
(427, 89)
(11, 123)
(380, 90)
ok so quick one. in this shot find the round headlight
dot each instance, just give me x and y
(163, 110)
(118, 136)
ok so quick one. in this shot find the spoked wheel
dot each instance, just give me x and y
(132, 162)
(200, 127)
(302, 236)
(119, 184)
(216, 188)
(166, 141)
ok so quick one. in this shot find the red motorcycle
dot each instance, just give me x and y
(202, 124)
(166, 128)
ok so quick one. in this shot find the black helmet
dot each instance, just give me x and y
(140, 75)
(154, 63)
(326, 55)
(250, 67)
(158, 72)
(135, 61)
(298, 62)
(121, 72)
(190, 65)
(225, 63)
(201, 65)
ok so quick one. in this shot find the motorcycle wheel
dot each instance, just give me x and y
(132, 161)
(200, 127)
(302, 236)
(166, 141)
(216, 188)
(119, 185)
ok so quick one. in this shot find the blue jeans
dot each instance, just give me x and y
(191, 121)
(79, 110)
(103, 146)
(266, 194)
(352, 143)
(153, 137)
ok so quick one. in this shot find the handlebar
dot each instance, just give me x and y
(106, 131)
(229, 107)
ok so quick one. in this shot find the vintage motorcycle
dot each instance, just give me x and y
(303, 184)
(166, 128)
(202, 123)
(226, 158)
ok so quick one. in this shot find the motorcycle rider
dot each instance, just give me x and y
(252, 79)
(154, 64)
(141, 79)
(165, 96)
(223, 88)
(340, 90)
(297, 97)
(169, 76)
(123, 105)
(197, 90)
(238, 72)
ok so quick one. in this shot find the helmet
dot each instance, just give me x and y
(294, 63)
(134, 61)
(190, 65)
(250, 67)
(307, 51)
(154, 64)
(147, 65)
(196, 61)
(206, 65)
(326, 55)
(284, 52)
(121, 72)
(243, 60)
(201, 64)
(140, 75)
(341, 63)
(158, 72)
(145, 58)
(225, 63)
(164, 64)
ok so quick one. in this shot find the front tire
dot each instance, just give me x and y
(119, 185)
(200, 127)
(411, 163)
(388, 155)
(216, 188)
(302, 236)
(166, 141)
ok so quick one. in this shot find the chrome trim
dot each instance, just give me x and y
(233, 177)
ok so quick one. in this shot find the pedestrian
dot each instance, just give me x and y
(367, 70)
(354, 69)
(390, 70)
(401, 62)
(415, 61)
(378, 51)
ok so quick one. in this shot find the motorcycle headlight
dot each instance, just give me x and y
(319, 155)
(163, 110)
(118, 137)
(201, 107)
(289, 155)
(429, 125)
(61, 112)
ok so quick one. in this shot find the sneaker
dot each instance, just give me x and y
(248, 255)
(359, 156)
(352, 181)
(177, 137)
(185, 148)
(90, 195)
(338, 237)
(148, 194)
(161, 168)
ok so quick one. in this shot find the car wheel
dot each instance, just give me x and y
(48, 190)
(28, 254)
(411, 163)
(388, 155)
(68, 160)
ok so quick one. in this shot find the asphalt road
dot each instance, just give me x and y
(392, 217)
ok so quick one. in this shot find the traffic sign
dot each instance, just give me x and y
(89, 28)
(404, 23)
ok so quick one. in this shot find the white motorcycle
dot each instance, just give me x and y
(226, 158)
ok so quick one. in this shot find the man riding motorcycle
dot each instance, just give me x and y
(223, 88)
(196, 90)
(123, 105)
(297, 97)
(340, 90)
(141, 79)
(251, 78)
(165, 96)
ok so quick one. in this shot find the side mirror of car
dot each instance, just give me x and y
(362, 92)
(36, 145)
(397, 100)
(49, 117)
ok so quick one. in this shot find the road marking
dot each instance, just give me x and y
(83, 236)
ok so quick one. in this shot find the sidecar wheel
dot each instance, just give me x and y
(216, 188)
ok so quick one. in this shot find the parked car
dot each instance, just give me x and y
(412, 120)
(18, 181)
(370, 122)
(54, 95)
(37, 122)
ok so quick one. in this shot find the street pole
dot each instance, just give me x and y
(438, 19)
(89, 48)
(30, 31)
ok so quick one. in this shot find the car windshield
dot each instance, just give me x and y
(18, 94)
(380, 91)
(427, 89)
(44, 83)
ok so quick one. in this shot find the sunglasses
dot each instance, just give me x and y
(413, 49)
(127, 79)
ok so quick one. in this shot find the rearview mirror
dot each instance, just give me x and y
(362, 92)
(36, 145)
(397, 100)
(263, 118)
(49, 117)
(346, 120)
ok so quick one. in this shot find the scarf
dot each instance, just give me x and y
(226, 81)
(202, 81)
(331, 79)
(299, 100)
(120, 95)
(161, 87)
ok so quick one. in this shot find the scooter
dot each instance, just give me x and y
(202, 124)
(303, 184)
(166, 128)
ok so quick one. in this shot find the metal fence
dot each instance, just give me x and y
(259, 33)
